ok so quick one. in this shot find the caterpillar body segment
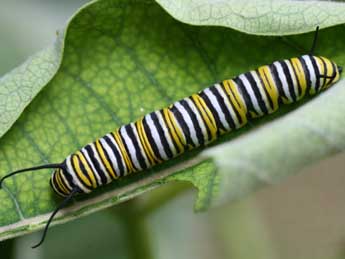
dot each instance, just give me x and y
(193, 121)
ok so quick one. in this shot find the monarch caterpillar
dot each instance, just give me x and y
(189, 123)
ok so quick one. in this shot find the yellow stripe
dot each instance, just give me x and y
(128, 161)
(56, 181)
(296, 63)
(104, 159)
(329, 70)
(207, 115)
(79, 172)
(166, 112)
(63, 184)
(60, 183)
(177, 128)
(236, 99)
(88, 169)
(144, 141)
(269, 85)
(322, 71)
(148, 144)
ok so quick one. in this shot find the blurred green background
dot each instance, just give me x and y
(299, 218)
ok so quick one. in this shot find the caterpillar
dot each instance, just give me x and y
(194, 121)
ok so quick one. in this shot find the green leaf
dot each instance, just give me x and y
(18, 88)
(265, 17)
(22, 84)
(119, 63)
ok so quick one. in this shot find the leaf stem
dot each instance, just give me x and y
(136, 232)
(134, 213)
(160, 196)
(7, 248)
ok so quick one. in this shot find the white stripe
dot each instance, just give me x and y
(74, 175)
(65, 180)
(105, 172)
(156, 137)
(293, 77)
(111, 155)
(228, 106)
(312, 72)
(240, 95)
(199, 119)
(56, 189)
(178, 126)
(283, 80)
(250, 91)
(215, 105)
(187, 119)
(142, 151)
(262, 91)
(112, 139)
(83, 150)
(130, 146)
(166, 133)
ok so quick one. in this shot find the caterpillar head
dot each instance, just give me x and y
(62, 182)
(70, 176)
(327, 72)
(74, 173)
(322, 72)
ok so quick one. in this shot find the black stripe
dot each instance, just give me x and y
(151, 139)
(95, 163)
(183, 125)
(145, 145)
(136, 145)
(334, 74)
(175, 128)
(57, 185)
(325, 68)
(317, 72)
(83, 169)
(333, 70)
(53, 184)
(160, 130)
(288, 79)
(127, 151)
(195, 122)
(266, 91)
(75, 170)
(225, 109)
(61, 185)
(117, 154)
(64, 180)
(278, 83)
(170, 132)
(299, 87)
(241, 121)
(246, 97)
(67, 174)
(87, 161)
(208, 131)
(108, 159)
(306, 73)
(214, 112)
(255, 87)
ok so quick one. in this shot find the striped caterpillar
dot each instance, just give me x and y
(189, 123)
